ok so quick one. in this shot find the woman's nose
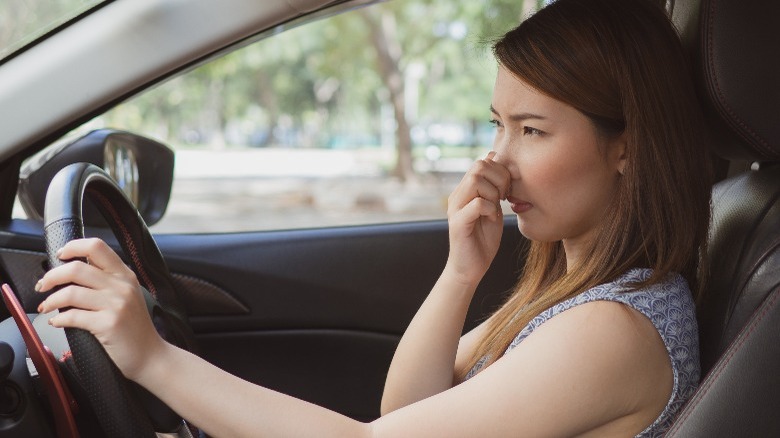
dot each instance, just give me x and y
(504, 158)
(501, 157)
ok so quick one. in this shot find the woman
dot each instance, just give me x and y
(598, 152)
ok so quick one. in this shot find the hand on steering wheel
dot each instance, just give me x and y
(105, 298)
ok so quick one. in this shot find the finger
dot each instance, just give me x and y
(494, 172)
(96, 251)
(490, 171)
(76, 272)
(477, 209)
(486, 208)
(498, 175)
(474, 186)
(76, 318)
(487, 191)
(74, 296)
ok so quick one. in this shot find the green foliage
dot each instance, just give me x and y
(318, 85)
(22, 21)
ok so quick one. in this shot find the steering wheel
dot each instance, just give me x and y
(123, 408)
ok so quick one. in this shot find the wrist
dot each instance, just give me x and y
(458, 280)
(156, 367)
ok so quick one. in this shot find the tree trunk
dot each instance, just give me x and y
(267, 98)
(383, 36)
(214, 114)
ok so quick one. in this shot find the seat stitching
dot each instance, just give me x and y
(721, 366)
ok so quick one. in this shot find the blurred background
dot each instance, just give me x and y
(364, 117)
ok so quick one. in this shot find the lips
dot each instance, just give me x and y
(518, 205)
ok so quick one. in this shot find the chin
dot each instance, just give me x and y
(532, 233)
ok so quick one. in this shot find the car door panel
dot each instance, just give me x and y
(327, 307)
(316, 314)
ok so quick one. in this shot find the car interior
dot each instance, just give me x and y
(317, 313)
(732, 47)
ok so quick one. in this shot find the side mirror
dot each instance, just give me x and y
(142, 167)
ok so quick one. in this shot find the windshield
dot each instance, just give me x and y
(23, 21)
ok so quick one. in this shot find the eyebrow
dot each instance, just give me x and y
(520, 116)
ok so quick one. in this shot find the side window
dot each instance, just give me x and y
(365, 117)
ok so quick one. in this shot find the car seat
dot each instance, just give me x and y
(735, 47)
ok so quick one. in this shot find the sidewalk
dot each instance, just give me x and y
(265, 189)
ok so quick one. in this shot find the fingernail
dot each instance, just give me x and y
(40, 308)
(59, 253)
(50, 323)
(38, 286)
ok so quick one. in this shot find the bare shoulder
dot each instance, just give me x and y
(616, 344)
(612, 354)
(597, 369)
(610, 327)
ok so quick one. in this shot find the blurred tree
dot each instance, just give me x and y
(417, 62)
(22, 21)
(383, 36)
(428, 36)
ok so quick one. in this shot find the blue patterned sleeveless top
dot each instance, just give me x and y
(669, 305)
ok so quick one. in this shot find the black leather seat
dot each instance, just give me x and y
(736, 46)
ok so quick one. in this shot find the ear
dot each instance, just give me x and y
(617, 152)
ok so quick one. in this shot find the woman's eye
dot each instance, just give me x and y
(495, 123)
(527, 130)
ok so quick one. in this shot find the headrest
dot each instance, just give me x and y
(736, 46)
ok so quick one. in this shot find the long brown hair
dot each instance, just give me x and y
(620, 63)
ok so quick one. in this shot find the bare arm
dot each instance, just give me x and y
(424, 362)
(596, 369)
(468, 343)
(595, 355)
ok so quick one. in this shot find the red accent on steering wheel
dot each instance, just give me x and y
(62, 403)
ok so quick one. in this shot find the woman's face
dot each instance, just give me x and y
(564, 174)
